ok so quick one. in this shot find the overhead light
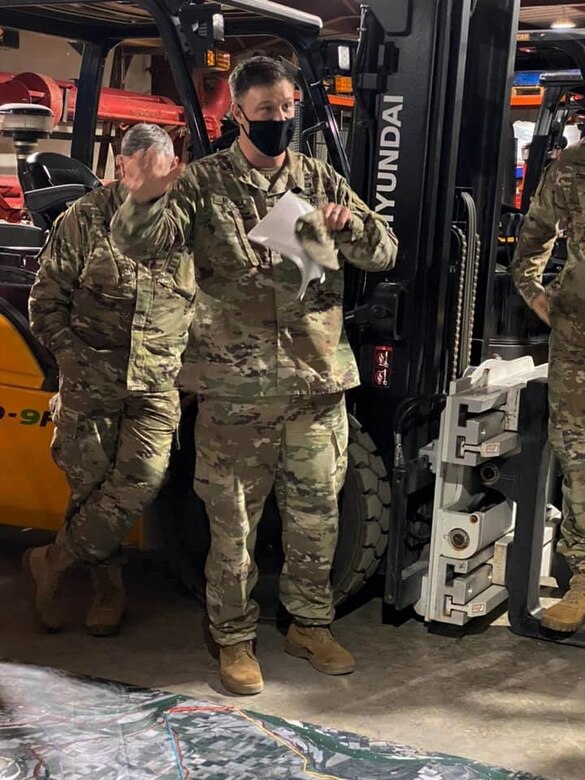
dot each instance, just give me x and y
(563, 22)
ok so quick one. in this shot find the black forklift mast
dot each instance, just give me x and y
(93, 60)
(432, 83)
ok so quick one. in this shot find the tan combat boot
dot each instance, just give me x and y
(569, 613)
(318, 645)
(46, 566)
(239, 670)
(105, 614)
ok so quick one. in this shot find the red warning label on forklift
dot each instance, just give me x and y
(382, 365)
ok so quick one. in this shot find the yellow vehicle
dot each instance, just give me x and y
(34, 490)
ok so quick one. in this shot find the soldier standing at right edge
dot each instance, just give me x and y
(560, 197)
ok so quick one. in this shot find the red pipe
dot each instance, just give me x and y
(115, 105)
(217, 103)
(214, 105)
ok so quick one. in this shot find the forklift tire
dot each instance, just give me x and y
(180, 516)
(364, 516)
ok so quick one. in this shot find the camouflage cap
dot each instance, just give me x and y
(316, 240)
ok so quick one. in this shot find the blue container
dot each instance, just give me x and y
(527, 78)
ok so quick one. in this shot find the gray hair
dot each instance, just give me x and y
(142, 136)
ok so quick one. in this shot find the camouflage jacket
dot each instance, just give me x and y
(250, 336)
(559, 199)
(107, 318)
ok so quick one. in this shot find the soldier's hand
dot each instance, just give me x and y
(147, 175)
(540, 306)
(336, 217)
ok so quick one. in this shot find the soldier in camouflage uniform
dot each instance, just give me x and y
(560, 199)
(118, 329)
(269, 370)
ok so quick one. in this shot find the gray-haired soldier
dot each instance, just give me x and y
(117, 328)
(145, 136)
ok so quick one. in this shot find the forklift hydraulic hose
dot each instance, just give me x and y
(403, 411)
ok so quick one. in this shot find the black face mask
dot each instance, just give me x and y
(269, 136)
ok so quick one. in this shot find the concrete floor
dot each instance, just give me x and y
(493, 697)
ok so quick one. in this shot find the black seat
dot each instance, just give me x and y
(51, 182)
(47, 203)
(20, 245)
(50, 169)
(19, 236)
(15, 284)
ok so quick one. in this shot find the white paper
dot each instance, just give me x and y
(277, 232)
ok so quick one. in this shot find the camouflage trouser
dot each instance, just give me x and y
(299, 446)
(115, 453)
(567, 438)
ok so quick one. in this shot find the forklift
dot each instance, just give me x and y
(449, 484)
(191, 34)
